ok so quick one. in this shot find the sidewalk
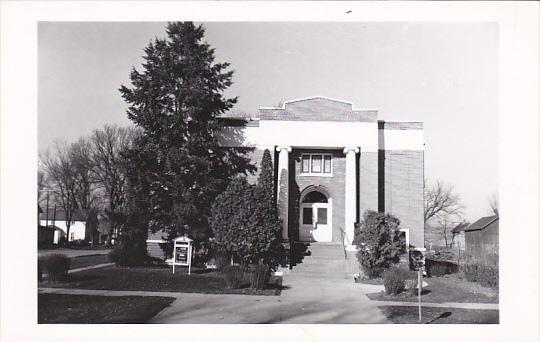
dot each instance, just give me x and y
(474, 306)
(90, 267)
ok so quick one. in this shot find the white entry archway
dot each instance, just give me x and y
(315, 215)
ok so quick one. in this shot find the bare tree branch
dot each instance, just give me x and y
(60, 172)
(440, 199)
(494, 203)
(109, 146)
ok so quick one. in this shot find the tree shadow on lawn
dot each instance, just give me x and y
(157, 279)
(431, 315)
(60, 308)
(441, 290)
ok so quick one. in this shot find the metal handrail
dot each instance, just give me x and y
(343, 237)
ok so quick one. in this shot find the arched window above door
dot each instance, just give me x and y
(315, 197)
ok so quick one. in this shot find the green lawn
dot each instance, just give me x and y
(157, 279)
(88, 260)
(56, 308)
(409, 315)
(447, 289)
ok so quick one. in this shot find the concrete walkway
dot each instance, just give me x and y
(90, 267)
(319, 290)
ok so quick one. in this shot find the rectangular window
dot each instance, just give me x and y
(327, 163)
(307, 216)
(316, 163)
(322, 216)
(305, 163)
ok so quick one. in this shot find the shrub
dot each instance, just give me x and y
(411, 284)
(40, 269)
(259, 276)
(246, 226)
(222, 260)
(234, 276)
(56, 266)
(79, 243)
(484, 274)
(394, 280)
(379, 243)
(124, 257)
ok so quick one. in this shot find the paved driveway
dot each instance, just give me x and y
(72, 253)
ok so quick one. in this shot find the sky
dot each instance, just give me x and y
(444, 74)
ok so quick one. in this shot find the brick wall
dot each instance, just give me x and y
(403, 191)
(335, 186)
(317, 109)
(368, 182)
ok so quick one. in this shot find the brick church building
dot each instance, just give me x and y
(332, 163)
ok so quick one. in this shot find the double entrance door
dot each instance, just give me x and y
(315, 222)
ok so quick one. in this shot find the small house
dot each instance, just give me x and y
(57, 219)
(482, 240)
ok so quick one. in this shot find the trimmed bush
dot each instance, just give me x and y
(234, 276)
(397, 280)
(394, 280)
(56, 266)
(379, 241)
(125, 257)
(259, 276)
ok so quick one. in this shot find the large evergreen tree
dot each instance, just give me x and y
(176, 100)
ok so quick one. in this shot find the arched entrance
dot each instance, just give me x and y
(315, 215)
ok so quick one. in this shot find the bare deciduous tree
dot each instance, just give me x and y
(440, 199)
(80, 154)
(494, 203)
(61, 174)
(109, 146)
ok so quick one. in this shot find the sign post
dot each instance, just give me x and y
(420, 271)
(182, 252)
(417, 260)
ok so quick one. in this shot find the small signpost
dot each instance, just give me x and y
(182, 252)
(417, 261)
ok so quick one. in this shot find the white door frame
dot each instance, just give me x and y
(325, 231)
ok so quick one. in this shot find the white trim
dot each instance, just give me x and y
(320, 97)
(328, 205)
(406, 231)
(156, 241)
(399, 121)
(316, 97)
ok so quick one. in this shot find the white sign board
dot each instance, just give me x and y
(182, 252)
